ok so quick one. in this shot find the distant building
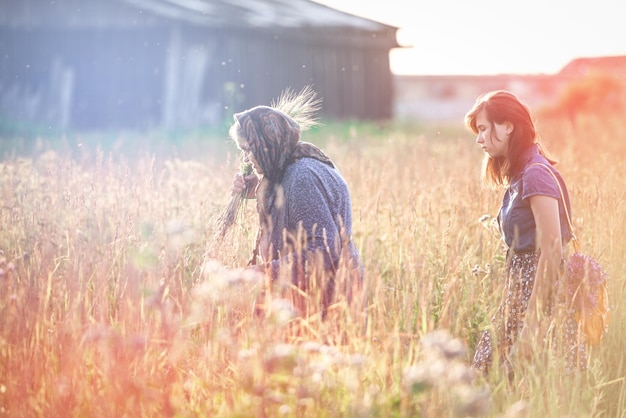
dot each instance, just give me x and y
(614, 66)
(146, 64)
(448, 97)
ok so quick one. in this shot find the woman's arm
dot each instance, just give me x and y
(546, 213)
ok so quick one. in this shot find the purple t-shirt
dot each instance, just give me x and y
(516, 220)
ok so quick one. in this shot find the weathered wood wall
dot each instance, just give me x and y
(74, 65)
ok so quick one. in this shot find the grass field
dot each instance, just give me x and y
(109, 307)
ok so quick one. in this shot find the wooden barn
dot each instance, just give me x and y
(76, 65)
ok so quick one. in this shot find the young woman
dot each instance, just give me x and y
(534, 227)
(303, 202)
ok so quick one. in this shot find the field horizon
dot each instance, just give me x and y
(118, 300)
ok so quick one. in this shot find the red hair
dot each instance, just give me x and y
(501, 106)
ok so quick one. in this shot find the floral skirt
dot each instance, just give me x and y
(509, 320)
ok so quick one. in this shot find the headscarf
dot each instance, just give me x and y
(274, 140)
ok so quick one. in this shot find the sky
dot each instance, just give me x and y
(489, 37)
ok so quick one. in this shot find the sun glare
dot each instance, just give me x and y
(443, 37)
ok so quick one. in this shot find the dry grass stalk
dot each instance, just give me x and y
(101, 316)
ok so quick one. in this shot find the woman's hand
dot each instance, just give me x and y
(241, 183)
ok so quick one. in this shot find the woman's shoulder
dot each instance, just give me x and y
(539, 165)
(537, 161)
(307, 165)
(539, 177)
(307, 171)
(300, 170)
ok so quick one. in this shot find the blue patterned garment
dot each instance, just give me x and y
(312, 211)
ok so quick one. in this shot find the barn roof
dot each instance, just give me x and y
(249, 14)
(256, 13)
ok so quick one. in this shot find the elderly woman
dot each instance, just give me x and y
(303, 202)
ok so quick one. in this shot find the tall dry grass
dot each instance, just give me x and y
(116, 300)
